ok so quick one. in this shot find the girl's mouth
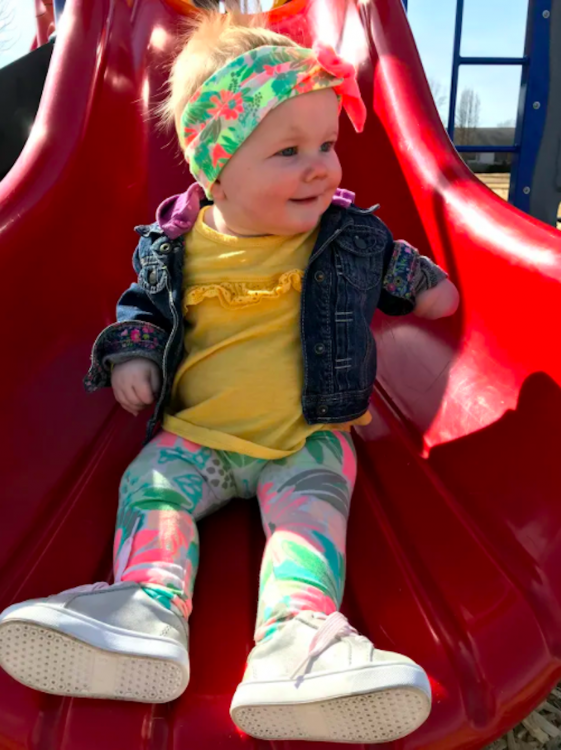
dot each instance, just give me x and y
(305, 201)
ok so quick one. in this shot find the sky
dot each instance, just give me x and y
(491, 27)
(22, 31)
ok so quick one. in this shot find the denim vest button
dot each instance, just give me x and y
(322, 411)
(359, 242)
(319, 276)
(319, 348)
(165, 247)
(153, 277)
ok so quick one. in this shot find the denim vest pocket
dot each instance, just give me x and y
(359, 258)
(152, 277)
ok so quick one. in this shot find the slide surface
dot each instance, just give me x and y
(454, 553)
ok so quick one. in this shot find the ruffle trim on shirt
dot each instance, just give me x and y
(235, 295)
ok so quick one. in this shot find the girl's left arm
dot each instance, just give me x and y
(413, 283)
(438, 302)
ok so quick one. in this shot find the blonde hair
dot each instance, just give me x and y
(211, 41)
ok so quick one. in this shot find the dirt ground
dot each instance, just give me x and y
(499, 183)
(540, 731)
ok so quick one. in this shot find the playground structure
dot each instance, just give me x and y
(535, 186)
(454, 547)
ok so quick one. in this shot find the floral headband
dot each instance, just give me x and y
(230, 104)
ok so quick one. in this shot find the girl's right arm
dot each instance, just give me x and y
(136, 384)
(137, 339)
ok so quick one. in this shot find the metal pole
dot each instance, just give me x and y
(533, 106)
(455, 67)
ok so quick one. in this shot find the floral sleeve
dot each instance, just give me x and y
(141, 330)
(407, 274)
(120, 342)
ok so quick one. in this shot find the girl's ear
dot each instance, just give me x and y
(217, 191)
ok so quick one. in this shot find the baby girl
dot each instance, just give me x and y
(249, 330)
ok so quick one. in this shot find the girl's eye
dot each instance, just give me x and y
(328, 146)
(290, 151)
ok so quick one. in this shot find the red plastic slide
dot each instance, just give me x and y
(455, 535)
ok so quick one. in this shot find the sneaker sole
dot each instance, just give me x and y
(53, 661)
(381, 714)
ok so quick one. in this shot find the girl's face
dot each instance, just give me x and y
(283, 177)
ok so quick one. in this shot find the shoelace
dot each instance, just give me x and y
(120, 566)
(335, 626)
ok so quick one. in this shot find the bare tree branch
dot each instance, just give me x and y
(467, 117)
(438, 94)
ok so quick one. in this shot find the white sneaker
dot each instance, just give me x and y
(317, 679)
(97, 641)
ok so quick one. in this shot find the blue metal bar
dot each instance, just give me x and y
(405, 4)
(533, 100)
(532, 106)
(455, 67)
(488, 149)
(494, 61)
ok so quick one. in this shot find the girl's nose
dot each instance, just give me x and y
(315, 170)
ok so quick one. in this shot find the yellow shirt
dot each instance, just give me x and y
(240, 386)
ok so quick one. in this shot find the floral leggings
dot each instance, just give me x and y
(304, 501)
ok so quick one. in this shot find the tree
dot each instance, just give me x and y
(8, 30)
(467, 117)
(439, 95)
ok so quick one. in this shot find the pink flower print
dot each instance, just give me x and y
(271, 70)
(311, 599)
(150, 549)
(183, 606)
(275, 70)
(305, 85)
(188, 445)
(267, 495)
(166, 439)
(226, 105)
(217, 154)
(135, 335)
(195, 96)
(191, 132)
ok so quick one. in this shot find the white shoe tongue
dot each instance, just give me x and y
(86, 588)
(334, 626)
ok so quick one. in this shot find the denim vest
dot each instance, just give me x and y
(355, 268)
